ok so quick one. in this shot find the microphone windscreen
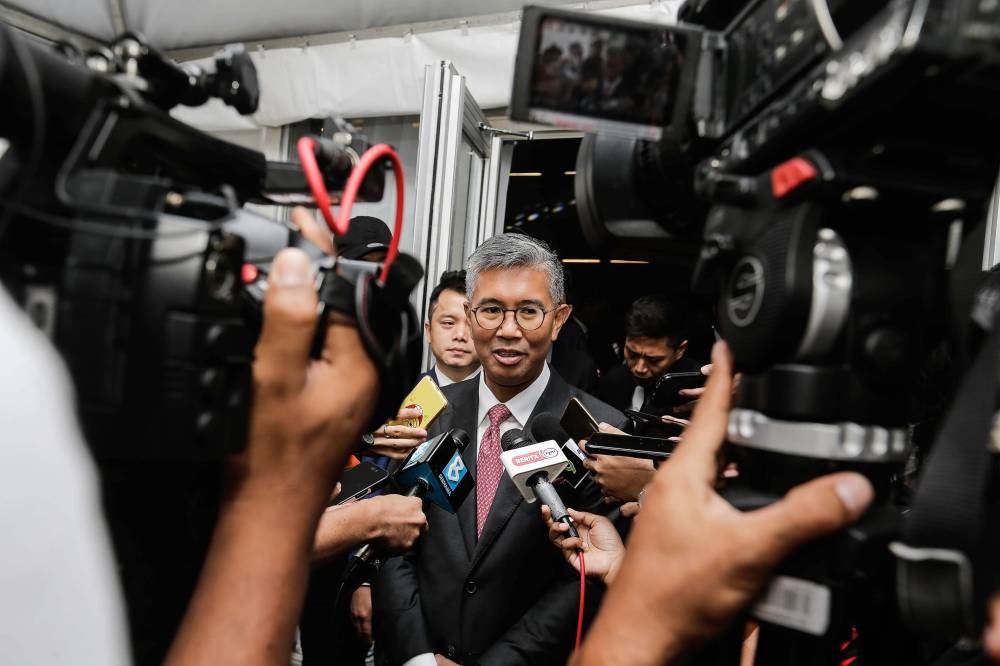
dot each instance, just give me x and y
(545, 427)
(513, 439)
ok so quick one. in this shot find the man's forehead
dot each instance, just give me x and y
(639, 343)
(521, 284)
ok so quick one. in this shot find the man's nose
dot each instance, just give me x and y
(508, 327)
(461, 331)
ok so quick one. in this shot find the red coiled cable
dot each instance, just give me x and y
(307, 157)
(583, 590)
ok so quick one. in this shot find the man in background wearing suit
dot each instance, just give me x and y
(655, 344)
(448, 333)
(483, 586)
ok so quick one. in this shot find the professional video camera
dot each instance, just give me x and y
(122, 234)
(126, 242)
(833, 156)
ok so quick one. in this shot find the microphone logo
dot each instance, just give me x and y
(535, 456)
(455, 471)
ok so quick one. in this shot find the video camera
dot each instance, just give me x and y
(125, 240)
(833, 160)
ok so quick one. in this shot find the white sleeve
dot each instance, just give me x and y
(61, 601)
(425, 659)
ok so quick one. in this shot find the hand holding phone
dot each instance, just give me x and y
(666, 392)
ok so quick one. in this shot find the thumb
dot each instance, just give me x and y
(812, 510)
(282, 353)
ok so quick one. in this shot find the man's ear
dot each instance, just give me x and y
(560, 316)
(427, 331)
(681, 348)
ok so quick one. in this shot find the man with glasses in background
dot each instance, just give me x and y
(482, 586)
(655, 344)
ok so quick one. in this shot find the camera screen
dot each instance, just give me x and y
(625, 76)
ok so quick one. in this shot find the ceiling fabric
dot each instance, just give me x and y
(361, 78)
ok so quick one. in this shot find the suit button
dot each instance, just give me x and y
(451, 652)
(470, 587)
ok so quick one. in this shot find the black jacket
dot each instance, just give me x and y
(508, 598)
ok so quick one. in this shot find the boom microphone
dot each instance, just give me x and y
(531, 466)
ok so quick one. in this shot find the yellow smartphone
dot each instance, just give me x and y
(428, 397)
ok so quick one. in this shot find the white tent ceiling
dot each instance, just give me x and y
(173, 24)
(318, 58)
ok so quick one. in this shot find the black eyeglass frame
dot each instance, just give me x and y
(475, 314)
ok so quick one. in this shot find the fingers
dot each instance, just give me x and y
(282, 353)
(311, 230)
(707, 431)
(401, 432)
(809, 511)
(630, 509)
(608, 428)
(674, 420)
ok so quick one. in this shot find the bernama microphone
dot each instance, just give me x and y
(433, 471)
(532, 467)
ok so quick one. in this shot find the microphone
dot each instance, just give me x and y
(531, 466)
(546, 426)
(433, 471)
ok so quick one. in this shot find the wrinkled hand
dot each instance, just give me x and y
(397, 521)
(396, 441)
(361, 613)
(620, 477)
(679, 583)
(303, 423)
(598, 539)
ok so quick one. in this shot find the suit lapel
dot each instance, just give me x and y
(464, 417)
(508, 499)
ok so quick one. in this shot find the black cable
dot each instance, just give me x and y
(37, 100)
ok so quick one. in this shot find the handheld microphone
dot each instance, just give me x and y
(546, 426)
(531, 467)
(433, 471)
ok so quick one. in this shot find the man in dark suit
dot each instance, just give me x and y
(483, 586)
(655, 344)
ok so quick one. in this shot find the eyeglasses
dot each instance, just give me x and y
(528, 317)
(633, 355)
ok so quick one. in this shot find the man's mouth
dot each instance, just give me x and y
(508, 356)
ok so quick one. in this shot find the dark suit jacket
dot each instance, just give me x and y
(508, 598)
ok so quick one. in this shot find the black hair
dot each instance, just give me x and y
(454, 280)
(657, 317)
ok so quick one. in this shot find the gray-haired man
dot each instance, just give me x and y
(483, 586)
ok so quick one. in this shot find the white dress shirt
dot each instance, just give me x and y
(638, 397)
(520, 406)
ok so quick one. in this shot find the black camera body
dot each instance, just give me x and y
(827, 160)
(126, 242)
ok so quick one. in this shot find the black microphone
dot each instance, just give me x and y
(531, 466)
(433, 471)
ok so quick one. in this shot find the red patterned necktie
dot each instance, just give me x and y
(489, 469)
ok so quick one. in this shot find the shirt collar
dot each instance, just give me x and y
(445, 380)
(521, 405)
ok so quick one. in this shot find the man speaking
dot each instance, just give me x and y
(483, 586)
